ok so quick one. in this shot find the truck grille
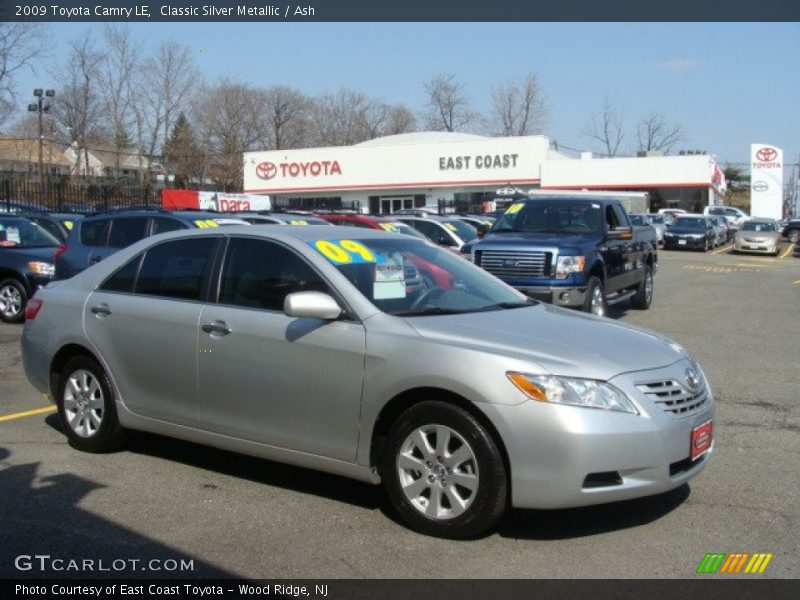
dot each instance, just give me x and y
(514, 264)
(673, 398)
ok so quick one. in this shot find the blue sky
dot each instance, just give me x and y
(728, 85)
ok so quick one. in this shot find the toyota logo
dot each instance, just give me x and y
(767, 154)
(760, 186)
(692, 378)
(266, 170)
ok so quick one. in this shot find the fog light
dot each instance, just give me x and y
(564, 296)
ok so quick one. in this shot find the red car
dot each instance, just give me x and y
(431, 274)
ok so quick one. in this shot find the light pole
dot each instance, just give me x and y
(41, 107)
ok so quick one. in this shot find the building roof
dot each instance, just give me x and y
(422, 137)
(26, 150)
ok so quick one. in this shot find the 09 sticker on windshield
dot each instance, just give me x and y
(206, 223)
(298, 222)
(388, 227)
(344, 252)
(515, 208)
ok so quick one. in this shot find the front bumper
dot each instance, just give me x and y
(559, 295)
(564, 456)
(758, 247)
(684, 243)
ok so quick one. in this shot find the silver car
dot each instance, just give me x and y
(305, 345)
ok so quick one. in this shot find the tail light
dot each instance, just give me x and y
(32, 308)
(60, 250)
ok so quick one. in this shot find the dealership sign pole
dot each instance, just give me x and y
(766, 181)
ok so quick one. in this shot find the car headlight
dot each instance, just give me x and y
(42, 268)
(698, 236)
(569, 264)
(574, 392)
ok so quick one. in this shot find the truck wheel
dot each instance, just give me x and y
(443, 471)
(86, 407)
(644, 291)
(12, 301)
(794, 236)
(595, 302)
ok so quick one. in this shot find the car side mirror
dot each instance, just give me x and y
(311, 305)
(621, 233)
(445, 241)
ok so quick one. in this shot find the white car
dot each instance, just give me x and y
(734, 216)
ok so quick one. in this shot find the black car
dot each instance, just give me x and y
(58, 224)
(792, 231)
(26, 263)
(695, 232)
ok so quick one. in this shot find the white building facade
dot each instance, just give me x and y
(431, 169)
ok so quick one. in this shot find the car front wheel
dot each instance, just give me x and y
(443, 472)
(644, 292)
(12, 301)
(86, 407)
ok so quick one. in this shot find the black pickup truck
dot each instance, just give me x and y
(577, 251)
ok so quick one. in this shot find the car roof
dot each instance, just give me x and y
(156, 212)
(304, 234)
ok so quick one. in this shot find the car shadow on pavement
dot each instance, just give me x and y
(41, 516)
(590, 520)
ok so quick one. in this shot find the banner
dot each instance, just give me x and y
(766, 181)
(218, 201)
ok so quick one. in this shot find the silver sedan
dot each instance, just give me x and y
(307, 346)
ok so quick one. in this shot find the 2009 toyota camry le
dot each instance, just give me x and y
(375, 356)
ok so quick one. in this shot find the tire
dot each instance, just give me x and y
(644, 291)
(460, 496)
(90, 420)
(595, 304)
(13, 298)
(794, 235)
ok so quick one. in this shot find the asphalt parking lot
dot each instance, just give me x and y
(237, 516)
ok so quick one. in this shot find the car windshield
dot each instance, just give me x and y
(545, 216)
(689, 223)
(754, 226)
(403, 276)
(25, 234)
(398, 227)
(462, 229)
(656, 219)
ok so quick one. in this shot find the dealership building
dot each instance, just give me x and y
(430, 169)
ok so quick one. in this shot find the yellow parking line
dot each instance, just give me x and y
(27, 413)
(723, 249)
(788, 251)
(796, 282)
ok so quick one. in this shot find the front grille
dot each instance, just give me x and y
(673, 398)
(514, 263)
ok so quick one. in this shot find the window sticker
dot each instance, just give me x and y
(390, 281)
(298, 222)
(12, 235)
(515, 208)
(388, 226)
(450, 226)
(68, 224)
(344, 252)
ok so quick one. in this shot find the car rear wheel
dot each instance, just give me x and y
(443, 472)
(794, 236)
(86, 407)
(644, 291)
(595, 302)
(12, 301)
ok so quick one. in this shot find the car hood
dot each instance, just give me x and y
(541, 239)
(47, 253)
(562, 341)
(758, 235)
(685, 230)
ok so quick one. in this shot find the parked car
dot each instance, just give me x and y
(444, 231)
(721, 229)
(734, 216)
(691, 232)
(576, 251)
(670, 214)
(278, 218)
(760, 236)
(659, 223)
(98, 236)
(26, 263)
(58, 224)
(791, 231)
(299, 346)
(481, 223)
(371, 222)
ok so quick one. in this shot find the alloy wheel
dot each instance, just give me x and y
(84, 404)
(10, 301)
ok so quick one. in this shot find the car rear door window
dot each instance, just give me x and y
(260, 274)
(164, 224)
(124, 278)
(93, 232)
(178, 269)
(126, 231)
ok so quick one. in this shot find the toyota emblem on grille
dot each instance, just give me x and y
(692, 378)
(511, 263)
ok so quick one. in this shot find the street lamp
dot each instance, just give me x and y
(41, 107)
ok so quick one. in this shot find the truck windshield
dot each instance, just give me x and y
(550, 216)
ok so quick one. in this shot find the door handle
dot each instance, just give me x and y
(101, 311)
(218, 328)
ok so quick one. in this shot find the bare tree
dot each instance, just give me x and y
(20, 45)
(286, 111)
(654, 132)
(447, 108)
(518, 107)
(606, 128)
(343, 118)
(399, 119)
(79, 109)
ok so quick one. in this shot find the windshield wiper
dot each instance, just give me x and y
(429, 310)
(506, 305)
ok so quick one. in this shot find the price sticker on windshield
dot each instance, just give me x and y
(298, 222)
(515, 208)
(206, 223)
(388, 226)
(344, 252)
(450, 226)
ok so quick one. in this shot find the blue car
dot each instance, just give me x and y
(97, 236)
